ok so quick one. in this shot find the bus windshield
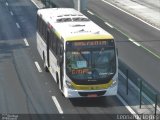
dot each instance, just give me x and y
(90, 61)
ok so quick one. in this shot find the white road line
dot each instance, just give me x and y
(35, 4)
(131, 14)
(38, 67)
(26, 42)
(57, 104)
(6, 3)
(18, 26)
(90, 12)
(109, 24)
(129, 108)
(11, 13)
(133, 41)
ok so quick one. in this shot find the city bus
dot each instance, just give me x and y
(80, 55)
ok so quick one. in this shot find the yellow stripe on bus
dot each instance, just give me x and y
(92, 87)
(89, 37)
(58, 35)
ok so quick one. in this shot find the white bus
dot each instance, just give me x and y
(80, 55)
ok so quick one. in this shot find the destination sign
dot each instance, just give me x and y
(90, 43)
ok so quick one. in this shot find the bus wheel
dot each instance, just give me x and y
(44, 63)
(59, 84)
(46, 69)
(57, 79)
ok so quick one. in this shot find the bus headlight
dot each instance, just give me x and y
(69, 85)
(114, 83)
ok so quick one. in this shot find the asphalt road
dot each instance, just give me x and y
(25, 90)
(21, 86)
(136, 57)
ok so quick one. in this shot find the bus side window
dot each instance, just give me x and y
(60, 52)
(55, 43)
(45, 30)
(40, 25)
(50, 39)
(42, 29)
(59, 48)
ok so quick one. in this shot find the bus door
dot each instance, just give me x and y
(48, 44)
(61, 63)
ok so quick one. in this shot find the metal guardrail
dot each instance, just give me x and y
(146, 92)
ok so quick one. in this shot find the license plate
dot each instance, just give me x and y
(92, 95)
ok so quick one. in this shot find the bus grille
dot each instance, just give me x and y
(98, 93)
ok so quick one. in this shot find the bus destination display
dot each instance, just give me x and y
(90, 44)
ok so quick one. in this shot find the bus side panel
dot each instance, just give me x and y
(41, 46)
(53, 65)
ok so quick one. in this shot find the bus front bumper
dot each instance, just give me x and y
(71, 93)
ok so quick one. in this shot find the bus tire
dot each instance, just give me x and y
(57, 79)
(44, 63)
(61, 88)
(46, 69)
(59, 83)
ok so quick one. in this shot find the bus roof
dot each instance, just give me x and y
(72, 25)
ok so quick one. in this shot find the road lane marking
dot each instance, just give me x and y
(6, 3)
(129, 108)
(157, 56)
(11, 13)
(57, 104)
(109, 24)
(26, 42)
(131, 15)
(133, 41)
(18, 26)
(90, 12)
(35, 4)
(154, 54)
(38, 67)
